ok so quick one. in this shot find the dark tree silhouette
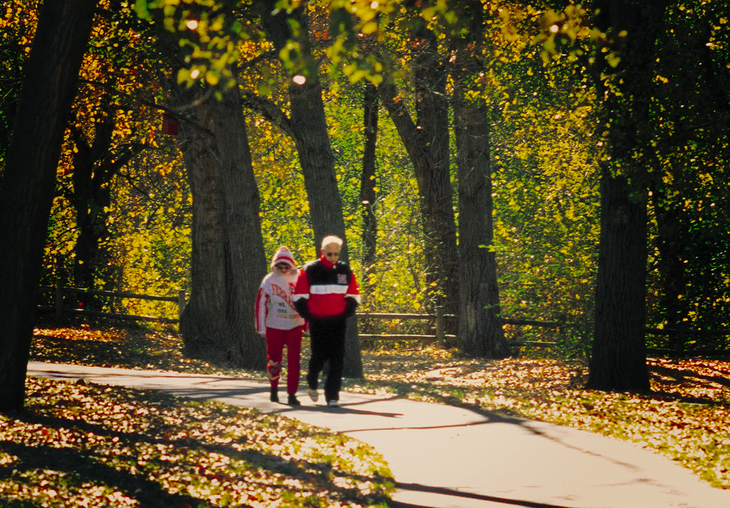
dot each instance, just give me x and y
(28, 181)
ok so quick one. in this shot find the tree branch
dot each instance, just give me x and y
(270, 110)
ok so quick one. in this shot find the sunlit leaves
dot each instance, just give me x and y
(686, 416)
(568, 33)
(18, 20)
(206, 33)
(351, 26)
(284, 205)
(86, 445)
(545, 190)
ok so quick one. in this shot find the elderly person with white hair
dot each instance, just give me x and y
(326, 294)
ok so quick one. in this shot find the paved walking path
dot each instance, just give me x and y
(446, 457)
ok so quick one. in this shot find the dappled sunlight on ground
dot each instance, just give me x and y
(685, 416)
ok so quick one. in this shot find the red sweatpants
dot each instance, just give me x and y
(275, 341)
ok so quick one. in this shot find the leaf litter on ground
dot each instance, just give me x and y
(684, 417)
(87, 445)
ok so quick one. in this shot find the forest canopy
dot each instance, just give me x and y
(545, 149)
(553, 100)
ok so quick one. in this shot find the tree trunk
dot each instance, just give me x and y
(228, 259)
(432, 113)
(618, 361)
(432, 110)
(311, 137)
(427, 145)
(28, 181)
(480, 324)
(367, 181)
(91, 193)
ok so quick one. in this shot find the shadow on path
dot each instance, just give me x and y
(455, 493)
(459, 456)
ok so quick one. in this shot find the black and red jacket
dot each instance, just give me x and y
(325, 290)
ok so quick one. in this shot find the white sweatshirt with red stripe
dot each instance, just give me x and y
(274, 306)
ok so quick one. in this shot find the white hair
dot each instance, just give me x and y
(331, 239)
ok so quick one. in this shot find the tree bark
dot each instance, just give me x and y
(228, 258)
(367, 180)
(480, 324)
(91, 193)
(311, 137)
(28, 181)
(427, 143)
(618, 361)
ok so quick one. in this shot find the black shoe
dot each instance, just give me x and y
(293, 401)
(274, 395)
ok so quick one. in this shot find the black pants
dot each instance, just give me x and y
(328, 343)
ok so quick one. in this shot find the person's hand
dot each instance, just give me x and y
(302, 309)
(350, 308)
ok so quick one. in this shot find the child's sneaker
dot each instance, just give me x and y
(313, 394)
(333, 403)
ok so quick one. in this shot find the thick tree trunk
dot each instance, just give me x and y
(318, 163)
(28, 181)
(228, 259)
(480, 324)
(439, 226)
(311, 136)
(432, 116)
(618, 360)
(432, 113)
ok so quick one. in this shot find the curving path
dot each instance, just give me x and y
(444, 457)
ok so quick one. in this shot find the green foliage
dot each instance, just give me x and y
(18, 20)
(396, 280)
(151, 231)
(689, 179)
(284, 205)
(546, 145)
(206, 32)
(545, 190)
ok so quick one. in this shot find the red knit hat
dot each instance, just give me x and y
(283, 255)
